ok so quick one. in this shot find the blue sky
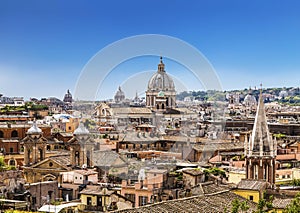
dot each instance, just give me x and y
(44, 45)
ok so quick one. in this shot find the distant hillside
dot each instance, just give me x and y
(290, 95)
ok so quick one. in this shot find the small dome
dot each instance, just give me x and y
(34, 129)
(250, 100)
(161, 81)
(81, 130)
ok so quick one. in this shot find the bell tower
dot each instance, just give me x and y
(82, 147)
(260, 149)
(34, 145)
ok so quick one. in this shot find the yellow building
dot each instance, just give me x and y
(251, 189)
(103, 200)
(72, 125)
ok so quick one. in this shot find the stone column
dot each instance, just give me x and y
(72, 157)
(26, 156)
(34, 154)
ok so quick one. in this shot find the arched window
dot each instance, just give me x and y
(12, 162)
(163, 106)
(1, 134)
(14, 134)
(41, 154)
(88, 158)
(77, 158)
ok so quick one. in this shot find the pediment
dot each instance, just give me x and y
(28, 139)
(50, 163)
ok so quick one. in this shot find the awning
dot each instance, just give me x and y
(56, 208)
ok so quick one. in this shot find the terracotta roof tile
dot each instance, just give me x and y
(216, 202)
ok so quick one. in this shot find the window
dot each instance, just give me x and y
(143, 200)
(14, 134)
(50, 164)
(50, 195)
(89, 201)
(11, 150)
(250, 197)
(33, 201)
(283, 176)
(130, 197)
(99, 200)
(288, 176)
(12, 162)
(1, 134)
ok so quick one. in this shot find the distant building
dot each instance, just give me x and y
(250, 100)
(143, 191)
(103, 200)
(83, 176)
(11, 101)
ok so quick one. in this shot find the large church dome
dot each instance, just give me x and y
(161, 81)
(120, 95)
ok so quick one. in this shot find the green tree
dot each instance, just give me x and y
(2, 162)
(244, 206)
(294, 206)
(296, 182)
(264, 205)
(235, 206)
(260, 206)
